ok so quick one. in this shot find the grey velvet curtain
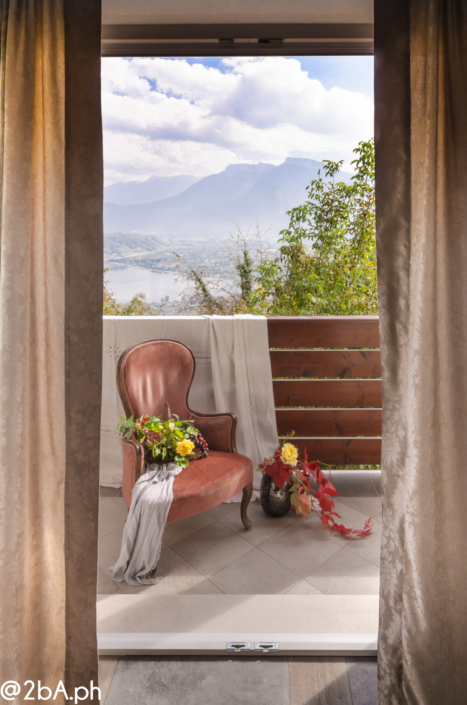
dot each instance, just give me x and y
(421, 203)
(50, 338)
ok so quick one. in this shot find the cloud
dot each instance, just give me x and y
(166, 117)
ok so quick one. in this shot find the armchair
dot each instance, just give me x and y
(157, 373)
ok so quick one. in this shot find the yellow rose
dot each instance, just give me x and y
(289, 454)
(184, 447)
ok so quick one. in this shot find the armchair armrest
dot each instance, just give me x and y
(133, 467)
(219, 430)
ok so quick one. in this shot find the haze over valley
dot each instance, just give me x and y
(196, 148)
(210, 207)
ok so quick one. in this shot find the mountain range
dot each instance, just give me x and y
(132, 193)
(211, 206)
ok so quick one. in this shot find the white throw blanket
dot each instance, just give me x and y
(242, 381)
(142, 536)
(233, 373)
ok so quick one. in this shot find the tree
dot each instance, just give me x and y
(136, 307)
(326, 263)
(245, 268)
(224, 288)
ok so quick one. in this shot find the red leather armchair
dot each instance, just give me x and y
(159, 372)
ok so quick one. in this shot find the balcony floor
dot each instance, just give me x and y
(211, 553)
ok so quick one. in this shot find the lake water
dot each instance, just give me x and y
(125, 282)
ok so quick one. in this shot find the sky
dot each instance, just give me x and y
(164, 117)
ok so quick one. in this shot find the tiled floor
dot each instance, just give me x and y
(238, 681)
(211, 553)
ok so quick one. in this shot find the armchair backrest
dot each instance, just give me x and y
(153, 374)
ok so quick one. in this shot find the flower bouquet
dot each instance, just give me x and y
(288, 471)
(171, 441)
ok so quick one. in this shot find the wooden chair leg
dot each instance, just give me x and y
(247, 492)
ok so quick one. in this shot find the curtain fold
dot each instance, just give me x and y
(421, 222)
(51, 260)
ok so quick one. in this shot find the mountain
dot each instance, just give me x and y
(130, 193)
(122, 244)
(211, 207)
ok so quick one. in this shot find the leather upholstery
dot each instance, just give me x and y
(159, 372)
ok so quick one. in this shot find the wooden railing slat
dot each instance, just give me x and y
(328, 392)
(326, 363)
(345, 425)
(329, 422)
(323, 331)
(342, 451)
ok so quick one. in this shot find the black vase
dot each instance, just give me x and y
(275, 502)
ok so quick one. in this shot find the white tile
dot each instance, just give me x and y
(299, 614)
(204, 588)
(349, 517)
(299, 549)
(120, 502)
(376, 480)
(105, 584)
(223, 509)
(368, 547)
(254, 574)
(212, 548)
(353, 483)
(109, 549)
(178, 577)
(176, 530)
(111, 516)
(304, 588)
(368, 506)
(263, 526)
(110, 491)
(346, 574)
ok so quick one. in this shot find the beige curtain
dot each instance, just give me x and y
(421, 203)
(50, 339)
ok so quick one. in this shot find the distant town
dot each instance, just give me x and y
(147, 222)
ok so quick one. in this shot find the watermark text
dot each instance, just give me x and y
(36, 692)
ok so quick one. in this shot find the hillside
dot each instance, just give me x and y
(124, 244)
(211, 207)
(130, 193)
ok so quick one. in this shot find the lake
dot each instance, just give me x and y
(125, 282)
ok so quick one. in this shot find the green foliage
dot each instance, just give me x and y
(326, 263)
(245, 268)
(136, 307)
(169, 441)
(219, 289)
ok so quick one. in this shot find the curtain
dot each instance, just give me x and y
(421, 207)
(51, 260)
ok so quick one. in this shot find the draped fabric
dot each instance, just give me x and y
(51, 263)
(151, 500)
(421, 193)
(242, 377)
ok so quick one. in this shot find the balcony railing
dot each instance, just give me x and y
(327, 385)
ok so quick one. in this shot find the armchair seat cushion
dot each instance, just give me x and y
(208, 482)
